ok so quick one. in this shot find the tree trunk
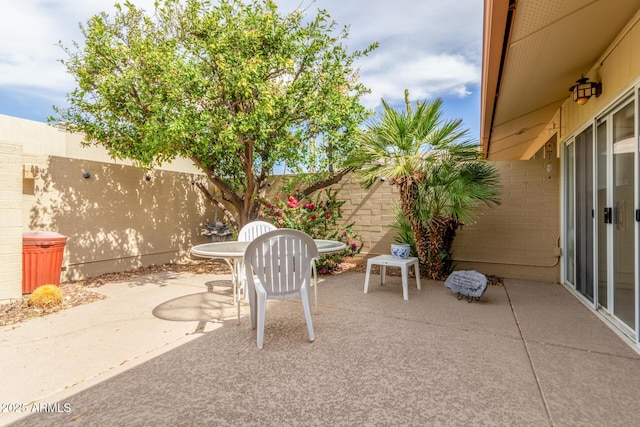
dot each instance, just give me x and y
(421, 239)
(442, 233)
(408, 195)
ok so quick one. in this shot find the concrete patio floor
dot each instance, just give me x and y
(167, 350)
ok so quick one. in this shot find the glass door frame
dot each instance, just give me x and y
(606, 114)
(636, 208)
(569, 241)
(608, 117)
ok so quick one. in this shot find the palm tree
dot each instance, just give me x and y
(433, 163)
(451, 190)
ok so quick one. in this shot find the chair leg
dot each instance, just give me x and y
(262, 312)
(234, 277)
(366, 277)
(306, 307)
(239, 285)
(252, 306)
(314, 272)
(405, 282)
(242, 280)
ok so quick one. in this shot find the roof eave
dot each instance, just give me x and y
(496, 31)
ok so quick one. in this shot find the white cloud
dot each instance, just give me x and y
(431, 47)
(29, 34)
(426, 77)
(24, 49)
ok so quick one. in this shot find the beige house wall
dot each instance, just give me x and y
(618, 69)
(520, 238)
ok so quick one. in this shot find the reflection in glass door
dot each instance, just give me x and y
(579, 214)
(601, 204)
(623, 214)
(601, 260)
(584, 213)
(615, 213)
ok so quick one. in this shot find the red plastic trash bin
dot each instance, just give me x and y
(42, 253)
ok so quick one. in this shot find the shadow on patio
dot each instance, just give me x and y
(527, 353)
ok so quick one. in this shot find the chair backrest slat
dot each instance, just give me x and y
(281, 260)
(254, 229)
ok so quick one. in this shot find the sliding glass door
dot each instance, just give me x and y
(579, 213)
(622, 213)
(584, 213)
(600, 213)
(616, 146)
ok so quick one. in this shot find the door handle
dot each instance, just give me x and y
(608, 217)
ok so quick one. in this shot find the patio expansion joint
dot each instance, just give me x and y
(584, 350)
(531, 364)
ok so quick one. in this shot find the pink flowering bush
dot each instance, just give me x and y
(319, 219)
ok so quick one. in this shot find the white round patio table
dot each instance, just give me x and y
(232, 252)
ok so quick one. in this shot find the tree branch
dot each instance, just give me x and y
(227, 214)
(335, 178)
(224, 187)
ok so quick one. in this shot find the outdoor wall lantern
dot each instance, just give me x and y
(584, 89)
(86, 175)
(148, 177)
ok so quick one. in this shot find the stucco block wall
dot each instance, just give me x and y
(519, 238)
(11, 172)
(116, 219)
(372, 212)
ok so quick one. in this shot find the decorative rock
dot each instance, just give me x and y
(467, 283)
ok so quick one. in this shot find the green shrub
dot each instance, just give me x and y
(405, 233)
(319, 219)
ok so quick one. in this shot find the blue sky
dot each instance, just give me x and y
(431, 47)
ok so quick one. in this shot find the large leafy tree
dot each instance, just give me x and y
(235, 87)
(437, 169)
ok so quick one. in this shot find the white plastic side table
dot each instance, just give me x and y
(383, 261)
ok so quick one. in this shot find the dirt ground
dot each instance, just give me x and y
(80, 292)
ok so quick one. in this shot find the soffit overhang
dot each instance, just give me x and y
(533, 51)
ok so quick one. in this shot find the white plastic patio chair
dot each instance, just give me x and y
(254, 229)
(278, 267)
(247, 233)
